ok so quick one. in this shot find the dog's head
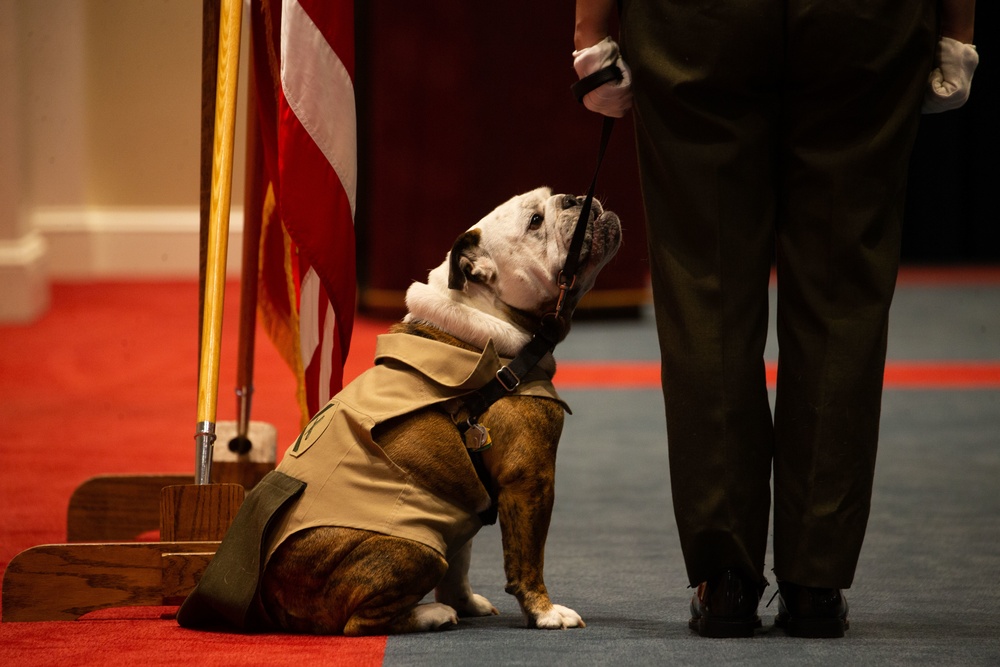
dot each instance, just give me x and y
(507, 267)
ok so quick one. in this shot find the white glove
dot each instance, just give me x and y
(951, 80)
(613, 98)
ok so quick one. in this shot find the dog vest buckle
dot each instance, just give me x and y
(507, 379)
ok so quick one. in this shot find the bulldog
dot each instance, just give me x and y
(385, 498)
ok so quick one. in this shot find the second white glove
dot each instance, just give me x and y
(951, 79)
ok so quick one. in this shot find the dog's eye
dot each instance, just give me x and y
(536, 221)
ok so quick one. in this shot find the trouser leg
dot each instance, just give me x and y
(855, 76)
(756, 116)
(704, 119)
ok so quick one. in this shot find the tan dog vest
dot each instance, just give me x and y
(351, 482)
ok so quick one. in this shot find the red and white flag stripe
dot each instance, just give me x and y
(317, 165)
(316, 82)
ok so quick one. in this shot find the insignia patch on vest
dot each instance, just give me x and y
(315, 429)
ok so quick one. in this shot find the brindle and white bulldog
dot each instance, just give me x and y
(386, 519)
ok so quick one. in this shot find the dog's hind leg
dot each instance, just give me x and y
(355, 582)
(389, 580)
(455, 590)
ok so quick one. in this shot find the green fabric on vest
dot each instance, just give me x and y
(227, 591)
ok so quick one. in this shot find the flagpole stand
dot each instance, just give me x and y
(63, 582)
(66, 581)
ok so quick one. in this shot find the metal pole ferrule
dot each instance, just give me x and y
(204, 440)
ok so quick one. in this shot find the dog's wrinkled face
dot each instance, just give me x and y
(517, 251)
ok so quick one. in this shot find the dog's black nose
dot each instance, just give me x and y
(569, 201)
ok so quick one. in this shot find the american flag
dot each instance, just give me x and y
(303, 55)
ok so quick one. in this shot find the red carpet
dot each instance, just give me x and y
(150, 641)
(106, 382)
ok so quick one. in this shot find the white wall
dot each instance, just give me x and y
(99, 145)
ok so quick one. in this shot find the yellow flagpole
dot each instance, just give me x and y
(218, 235)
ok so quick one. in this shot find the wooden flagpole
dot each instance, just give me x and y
(218, 235)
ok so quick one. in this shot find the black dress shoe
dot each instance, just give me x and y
(726, 606)
(811, 612)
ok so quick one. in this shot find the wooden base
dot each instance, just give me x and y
(62, 582)
(198, 512)
(117, 508)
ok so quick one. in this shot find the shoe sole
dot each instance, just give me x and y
(813, 628)
(720, 629)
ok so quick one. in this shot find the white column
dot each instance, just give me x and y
(24, 293)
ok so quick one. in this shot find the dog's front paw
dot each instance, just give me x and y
(559, 618)
(434, 616)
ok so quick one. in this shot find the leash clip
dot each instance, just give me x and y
(564, 289)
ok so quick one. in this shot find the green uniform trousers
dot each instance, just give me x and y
(774, 131)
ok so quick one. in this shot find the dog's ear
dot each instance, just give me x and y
(469, 262)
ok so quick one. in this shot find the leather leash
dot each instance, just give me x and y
(544, 340)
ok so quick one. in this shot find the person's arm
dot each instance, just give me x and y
(957, 19)
(593, 21)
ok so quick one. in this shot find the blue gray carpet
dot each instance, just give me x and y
(928, 584)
